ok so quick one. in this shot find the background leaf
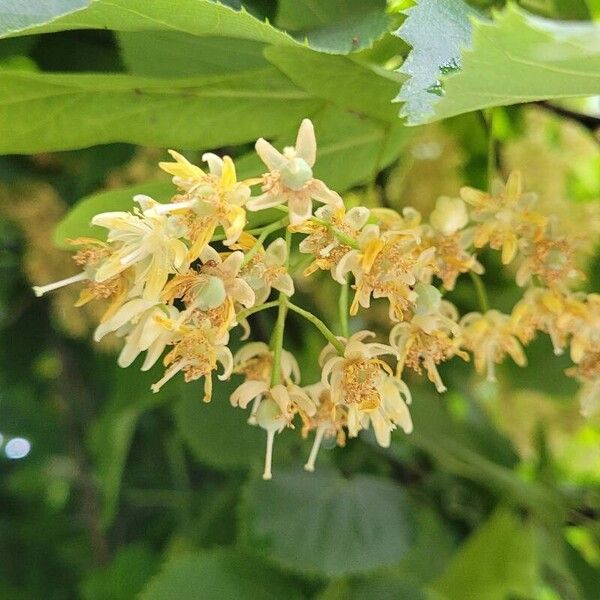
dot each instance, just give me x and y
(16, 15)
(219, 575)
(322, 523)
(496, 562)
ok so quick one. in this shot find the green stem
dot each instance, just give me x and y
(480, 291)
(266, 231)
(325, 331)
(487, 118)
(244, 314)
(340, 235)
(343, 310)
(277, 337)
(257, 230)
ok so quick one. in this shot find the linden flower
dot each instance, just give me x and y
(385, 267)
(490, 338)
(147, 327)
(89, 258)
(584, 326)
(427, 339)
(145, 241)
(197, 353)
(543, 309)
(504, 216)
(290, 179)
(216, 281)
(550, 259)
(276, 409)
(449, 215)
(587, 372)
(255, 361)
(210, 199)
(364, 384)
(266, 271)
(322, 241)
(328, 421)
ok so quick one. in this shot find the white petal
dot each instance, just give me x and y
(306, 143)
(269, 155)
(215, 163)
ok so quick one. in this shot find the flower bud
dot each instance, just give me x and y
(450, 215)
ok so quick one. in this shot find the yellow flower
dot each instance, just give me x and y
(321, 240)
(276, 409)
(328, 421)
(490, 337)
(365, 385)
(587, 372)
(255, 361)
(427, 339)
(504, 216)
(290, 178)
(210, 199)
(385, 266)
(145, 241)
(197, 353)
(266, 270)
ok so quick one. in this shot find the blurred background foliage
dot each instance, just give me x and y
(108, 491)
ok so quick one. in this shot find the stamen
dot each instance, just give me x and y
(269, 455)
(40, 290)
(312, 458)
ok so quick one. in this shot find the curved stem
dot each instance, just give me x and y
(325, 331)
(244, 314)
(266, 231)
(340, 235)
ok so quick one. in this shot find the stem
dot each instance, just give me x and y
(266, 231)
(480, 291)
(327, 333)
(340, 235)
(277, 337)
(244, 314)
(343, 310)
(257, 230)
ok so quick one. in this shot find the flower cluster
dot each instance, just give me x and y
(180, 276)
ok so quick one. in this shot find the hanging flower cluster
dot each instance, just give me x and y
(180, 276)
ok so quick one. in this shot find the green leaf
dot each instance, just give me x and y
(219, 575)
(322, 523)
(338, 79)
(336, 26)
(112, 432)
(77, 222)
(17, 15)
(124, 577)
(384, 586)
(516, 58)
(216, 432)
(196, 17)
(496, 562)
(42, 112)
(436, 30)
(172, 54)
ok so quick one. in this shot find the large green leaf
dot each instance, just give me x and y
(172, 54)
(513, 59)
(359, 26)
(219, 575)
(497, 562)
(338, 79)
(17, 14)
(436, 30)
(196, 17)
(338, 26)
(41, 112)
(322, 523)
